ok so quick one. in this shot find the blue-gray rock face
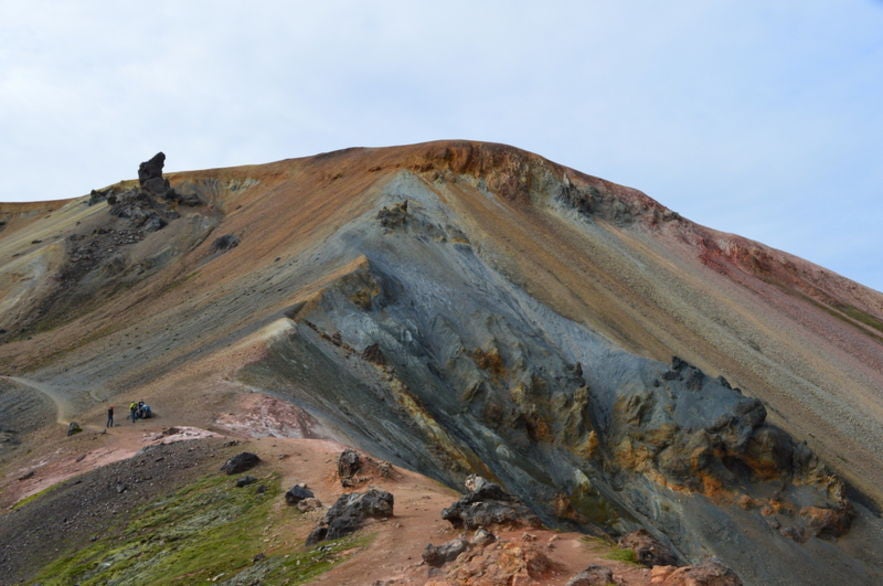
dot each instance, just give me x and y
(434, 359)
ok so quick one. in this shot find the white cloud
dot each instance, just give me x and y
(743, 116)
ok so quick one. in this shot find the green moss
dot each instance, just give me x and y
(209, 531)
(623, 554)
(33, 497)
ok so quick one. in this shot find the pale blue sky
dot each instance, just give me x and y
(761, 118)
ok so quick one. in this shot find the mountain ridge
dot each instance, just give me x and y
(279, 278)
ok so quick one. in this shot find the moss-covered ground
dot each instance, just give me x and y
(208, 532)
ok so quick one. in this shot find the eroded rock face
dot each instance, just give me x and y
(456, 370)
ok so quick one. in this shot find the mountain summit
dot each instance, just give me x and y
(460, 308)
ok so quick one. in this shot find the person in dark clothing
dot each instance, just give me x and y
(109, 417)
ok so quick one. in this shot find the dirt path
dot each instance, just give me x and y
(63, 406)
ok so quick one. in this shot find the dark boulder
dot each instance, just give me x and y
(297, 493)
(245, 481)
(488, 504)
(348, 464)
(438, 555)
(349, 513)
(225, 243)
(240, 463)
(73, 428)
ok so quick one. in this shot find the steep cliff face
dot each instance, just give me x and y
(463, 307)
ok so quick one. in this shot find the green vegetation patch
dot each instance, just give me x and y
(208, 532)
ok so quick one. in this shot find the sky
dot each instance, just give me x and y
(756, 117)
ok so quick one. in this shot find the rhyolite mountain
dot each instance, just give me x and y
(464, 307)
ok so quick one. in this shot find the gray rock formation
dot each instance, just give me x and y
(349, 513)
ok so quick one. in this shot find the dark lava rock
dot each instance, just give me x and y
(488, 504)
(648, 550)
(348, 464)
(374, 355)
(240, 463)
(438, 555)
(297, 493)
(225, 243)
(350, 512)
(593, 576)
(73, 428)
(150, 175)
(245, 481)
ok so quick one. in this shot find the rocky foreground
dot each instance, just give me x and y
(460, 310)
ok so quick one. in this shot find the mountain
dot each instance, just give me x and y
(457, 308)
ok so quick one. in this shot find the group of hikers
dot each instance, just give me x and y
(139, 410)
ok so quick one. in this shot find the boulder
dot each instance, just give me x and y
(488, 504)
(350, 512)
(240, 463)
(438, 555)
(593, 576)
(297, 493)
(708, 573)
(348, 464)
(73, 428)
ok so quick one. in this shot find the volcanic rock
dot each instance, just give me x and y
(487, 505)
(592, 576)
(349, 513)
(348, 464)
(438, 555)
(648, 550)
(240, 463)
(297, 493)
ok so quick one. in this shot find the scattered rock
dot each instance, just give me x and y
(350, 512)
(348, 464)
(297, 493)
(225, 243)
(488, 504)
(73, 428)
(240, 463)
(828, 522)
(483, 537)
(245, 481)
(708, 573)
(438, 555)
(309, 504)
(593, 576)
(648, 550)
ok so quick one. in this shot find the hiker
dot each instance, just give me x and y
(109, 416)
(133, 409)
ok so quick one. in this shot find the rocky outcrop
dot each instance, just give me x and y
(486, 505)
(350, 512)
